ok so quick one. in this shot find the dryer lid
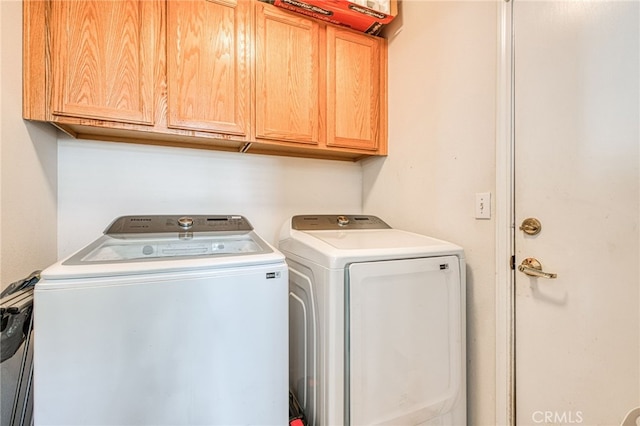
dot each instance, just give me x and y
(323, 241)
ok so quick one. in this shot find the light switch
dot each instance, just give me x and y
(483, 205)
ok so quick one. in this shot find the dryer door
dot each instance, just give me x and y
(405, 333)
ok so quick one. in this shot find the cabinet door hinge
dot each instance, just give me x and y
(513, 262)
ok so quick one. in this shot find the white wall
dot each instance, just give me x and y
(99, 181)
(442, 101)
(441, 112)
(28, 158)
(28, 173)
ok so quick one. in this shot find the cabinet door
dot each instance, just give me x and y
(355, 90)
(208, 65)
(103, 58)
(287, 97)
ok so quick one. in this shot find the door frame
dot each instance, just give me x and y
(505, 408)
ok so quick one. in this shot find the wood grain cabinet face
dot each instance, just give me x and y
(103, 59)
(287, 100)
(234, 75)
(354, 90)
(208, 82)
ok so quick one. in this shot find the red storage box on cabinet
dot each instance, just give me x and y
(368, 16)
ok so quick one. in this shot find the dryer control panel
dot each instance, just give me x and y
(334, 221)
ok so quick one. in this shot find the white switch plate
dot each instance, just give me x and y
(483, 205)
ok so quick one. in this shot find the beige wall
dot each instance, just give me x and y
(99, 181)
(28, 215)
(441, 111)
(442, 101)
(28, 162)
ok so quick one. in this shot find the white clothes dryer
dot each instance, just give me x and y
(376, 323)
(164, 320)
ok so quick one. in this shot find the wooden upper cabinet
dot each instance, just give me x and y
(208, 86)
(234, 75)
(287, 77)
(356, 90)
(103, 59)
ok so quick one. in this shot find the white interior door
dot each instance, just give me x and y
(576, 170)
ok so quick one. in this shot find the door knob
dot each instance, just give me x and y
(532, 267)
(531, 226)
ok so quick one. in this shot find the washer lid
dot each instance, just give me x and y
(108, 249)
(109, 256)
(134, 245)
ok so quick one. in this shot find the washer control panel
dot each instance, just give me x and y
(333, 222)
(179, 223)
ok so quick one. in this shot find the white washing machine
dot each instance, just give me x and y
(376, 323)
(164, 320)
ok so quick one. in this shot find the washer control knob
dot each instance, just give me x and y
(185, 222)
(343, 220)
